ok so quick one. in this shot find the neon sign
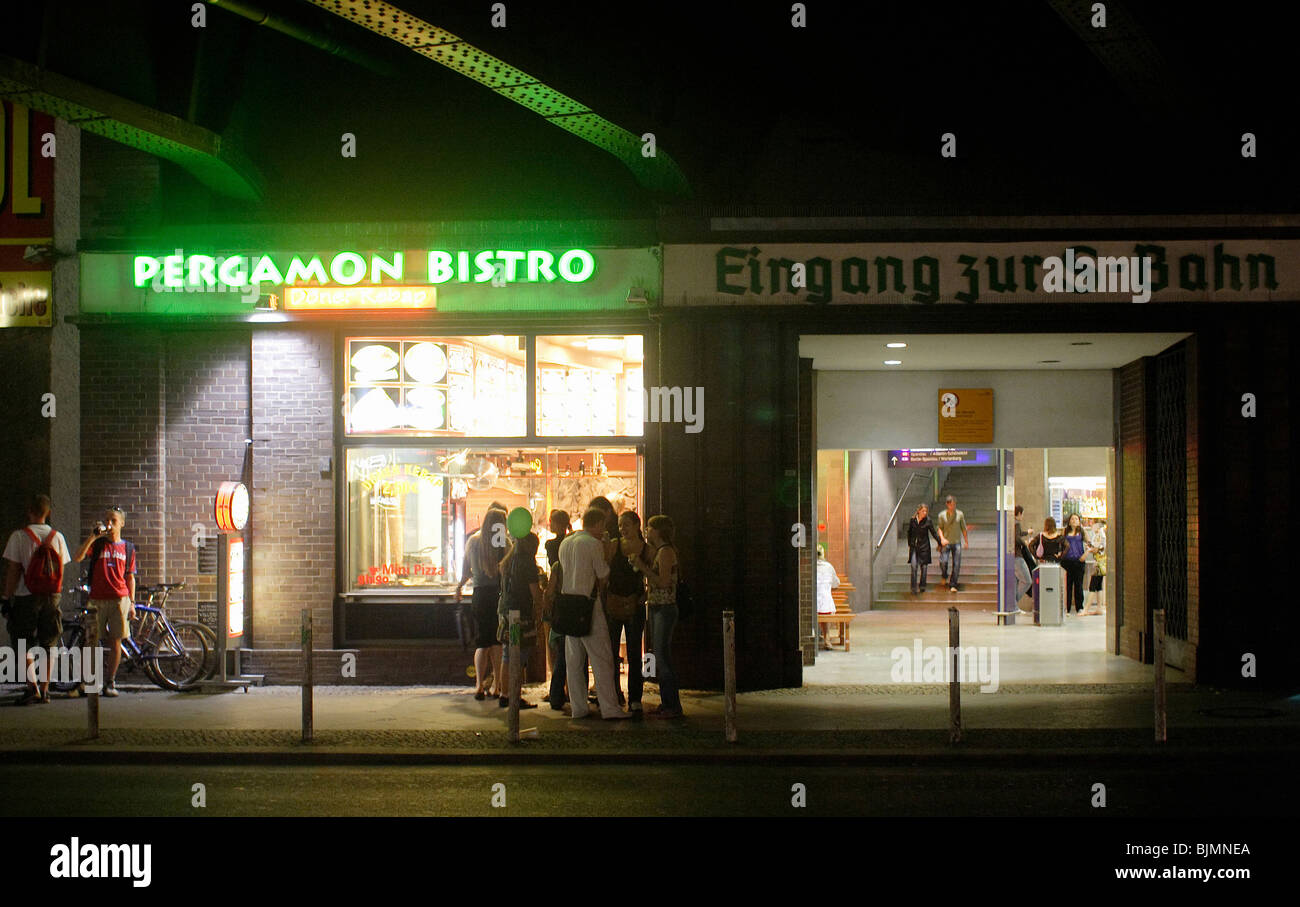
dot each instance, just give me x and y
(304, 298)
(349, 269)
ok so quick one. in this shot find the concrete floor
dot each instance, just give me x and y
(1072, 653)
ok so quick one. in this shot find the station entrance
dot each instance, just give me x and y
(1038, 429)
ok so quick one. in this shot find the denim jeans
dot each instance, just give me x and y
(635, 627)
(951, 558)
(663, 618)
(916, 566)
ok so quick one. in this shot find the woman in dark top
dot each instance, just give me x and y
(520, 591)
(919, 530)
(1050, 540)
(1076, 545)
(560, 525)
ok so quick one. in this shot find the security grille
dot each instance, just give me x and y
(1168, 498)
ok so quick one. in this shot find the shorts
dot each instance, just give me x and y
(114, 617)
(1094, 584)
(36, 620)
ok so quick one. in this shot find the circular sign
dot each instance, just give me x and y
(519, 522)
(232, 506)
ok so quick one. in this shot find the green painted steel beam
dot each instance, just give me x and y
(660, 172)
(207, 156)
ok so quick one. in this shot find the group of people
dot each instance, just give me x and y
(627, 577)
(33, 616)
(951, 534)
(1074, 549)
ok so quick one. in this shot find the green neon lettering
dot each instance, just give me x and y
(301, 273)
(440, 267)
(201, 268)
(380, 268)
(586, 265)
(172, 270)
(539, 265)
(265, 271)
(512, 260)
(338, 268)
(233, 272)
(146, 269)
(483, 261)
(462, 267)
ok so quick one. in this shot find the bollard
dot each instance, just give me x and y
(92, 696)
(1159, 621)
(306, 675)
(513, 676)
(954, 682)
(729, 671)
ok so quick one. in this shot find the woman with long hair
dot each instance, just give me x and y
(662, 608)
(625, 603)
(1076, 546)
(919, 531)
(521, 591)
(483, 566)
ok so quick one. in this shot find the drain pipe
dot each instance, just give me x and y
(299, 32)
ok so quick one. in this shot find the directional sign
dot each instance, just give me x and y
(940, 457)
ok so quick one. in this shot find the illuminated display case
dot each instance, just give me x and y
(590, 386)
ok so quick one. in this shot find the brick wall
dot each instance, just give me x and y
(164, 418)
(292, 500)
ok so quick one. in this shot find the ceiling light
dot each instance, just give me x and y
(893, 362)
(897, 345)
(605, 344)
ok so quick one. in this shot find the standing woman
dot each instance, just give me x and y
(521, 591)
(662, 607)
(561, 526)
(625, 602)
(1097, 550)
(483, 563)
(1049, 544)
(919, 531)
(1076, 545)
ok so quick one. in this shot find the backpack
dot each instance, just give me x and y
(44, 574)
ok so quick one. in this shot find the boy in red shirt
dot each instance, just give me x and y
(112, 589)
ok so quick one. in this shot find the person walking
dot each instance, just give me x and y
(625, 598)
(521, 591)
(662, 608)
(33, 615)
(919, 532)
(112, 588)
(952, 526)
(1076, 543)
(483, 555)
(827, 579)
(583, 567)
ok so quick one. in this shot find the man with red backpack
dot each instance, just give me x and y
(35, 557)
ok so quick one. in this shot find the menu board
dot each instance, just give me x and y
(432, 386)
(576, 401)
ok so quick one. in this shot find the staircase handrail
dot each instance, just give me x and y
(894, 515)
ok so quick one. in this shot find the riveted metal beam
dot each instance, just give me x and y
(660, 172)
(207, 156)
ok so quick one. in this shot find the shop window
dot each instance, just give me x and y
(410, 510)
(588, 386)
(436, 386)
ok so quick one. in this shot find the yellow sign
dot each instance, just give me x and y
(965, 415)
(353, 298)
(25, 299)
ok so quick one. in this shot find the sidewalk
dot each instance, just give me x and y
(429, 724)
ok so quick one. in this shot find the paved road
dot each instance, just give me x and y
(1227, 787)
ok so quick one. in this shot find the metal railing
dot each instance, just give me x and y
(893, 516)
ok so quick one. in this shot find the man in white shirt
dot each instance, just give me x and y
(33, 618)
(584, 568)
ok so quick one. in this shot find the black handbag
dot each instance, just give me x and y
(573, 615)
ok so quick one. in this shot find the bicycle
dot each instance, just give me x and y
(174, 655)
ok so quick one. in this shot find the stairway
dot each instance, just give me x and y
(975, 488)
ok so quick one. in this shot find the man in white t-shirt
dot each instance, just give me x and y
(583, 566)
(32, 618)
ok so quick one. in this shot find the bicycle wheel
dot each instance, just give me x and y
(179, 658)
(212, 664)
(73, 635)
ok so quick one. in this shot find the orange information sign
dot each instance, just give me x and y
(965, 415)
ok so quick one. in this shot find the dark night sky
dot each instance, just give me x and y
(845, 114)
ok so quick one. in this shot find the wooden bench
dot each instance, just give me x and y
(843, 616)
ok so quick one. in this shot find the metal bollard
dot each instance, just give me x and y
(729, 671)
(306, 675)
(92, 697)
(1161, 713)
(513, 676)
(954, 682)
